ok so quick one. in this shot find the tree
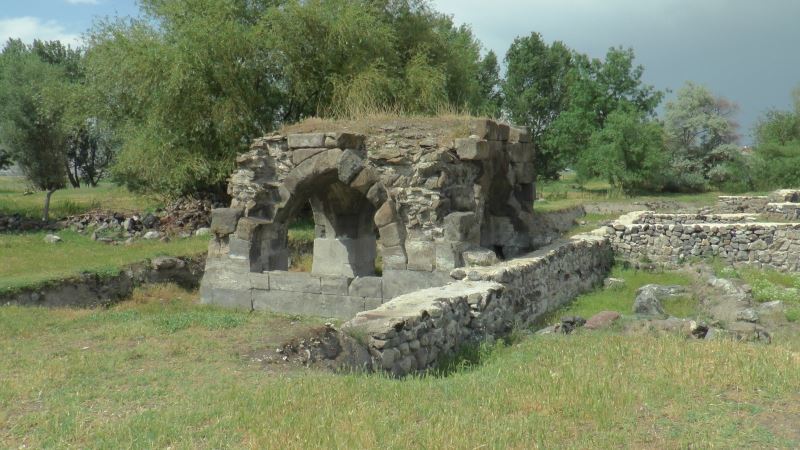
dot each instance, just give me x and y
(596, 89)
(188, 86)
(32, 127)
(698, 125)
(628, 152)
(489, 94)
(776, 159)
(535, 91)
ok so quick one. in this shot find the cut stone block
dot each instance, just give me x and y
(480, 257)
(472, 149)
(302, 303)
(394, 258)
(303, 154)
(259, 281)
(461, 226)
(484, 129)
(448, 255)
(344, 256)
(224, 220)
(335, 285)
(421, 255)
(392, 235)
(366, 287)
(306, 140)
(294, 282)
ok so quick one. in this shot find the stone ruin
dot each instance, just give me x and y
(422, 198)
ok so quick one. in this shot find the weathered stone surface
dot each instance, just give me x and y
(303, 154)
(421, 255)
(344, 256)
(315, 305)
(461, 227)
(52, 239)
(471, 149)
(350, 164)
(649, 297)
(371, 287)
(670, 239)
(430, 323)
(603, 319)
(385, 215)
(484, 129)
(152, 235)
(224, 220)
(392, 235)
(335, 285)
(295, 282)
(307, 140)
(480, 257)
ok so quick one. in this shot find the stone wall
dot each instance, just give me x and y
(415, 331)
(424, 199)
(765, 245)
(652, 218)
(741, 204)
(552, 225)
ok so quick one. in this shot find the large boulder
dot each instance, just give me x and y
(649, 297)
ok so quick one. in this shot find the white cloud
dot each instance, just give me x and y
(29, 28)
(83, 2)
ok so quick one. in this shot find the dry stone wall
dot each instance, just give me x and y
(765, 245)
(414, 331)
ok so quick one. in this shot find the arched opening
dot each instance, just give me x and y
(344, 232)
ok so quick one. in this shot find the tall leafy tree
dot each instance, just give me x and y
(31, 126)
(628, 152)
(701, 133)
(535, 90)
(186, 87)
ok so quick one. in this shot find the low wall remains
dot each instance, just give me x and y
(90, 290)
(652, 218)
(764, 245)
(414, 331)
(552, 225)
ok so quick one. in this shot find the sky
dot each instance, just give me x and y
(744, 50)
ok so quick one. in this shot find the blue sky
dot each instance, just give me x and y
(745, 50)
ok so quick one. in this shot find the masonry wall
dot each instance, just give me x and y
(764, 245)
(415, 331)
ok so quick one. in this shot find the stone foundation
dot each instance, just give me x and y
(674, 240)
(415, 331)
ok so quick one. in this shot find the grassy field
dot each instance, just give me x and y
(620, 299)
(25, 259)
(16, 199)
(567, 192)
(159, 371)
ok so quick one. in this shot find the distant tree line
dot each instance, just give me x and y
(165, 101)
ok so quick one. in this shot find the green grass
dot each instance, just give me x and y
(25, 259)
(620, 299)
(768, 285)
(567, 192)
(66, 202)
(124, 377)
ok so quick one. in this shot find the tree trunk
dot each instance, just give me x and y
(46, 213)
(73, 179)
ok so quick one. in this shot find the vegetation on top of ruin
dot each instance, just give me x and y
(446, 125)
